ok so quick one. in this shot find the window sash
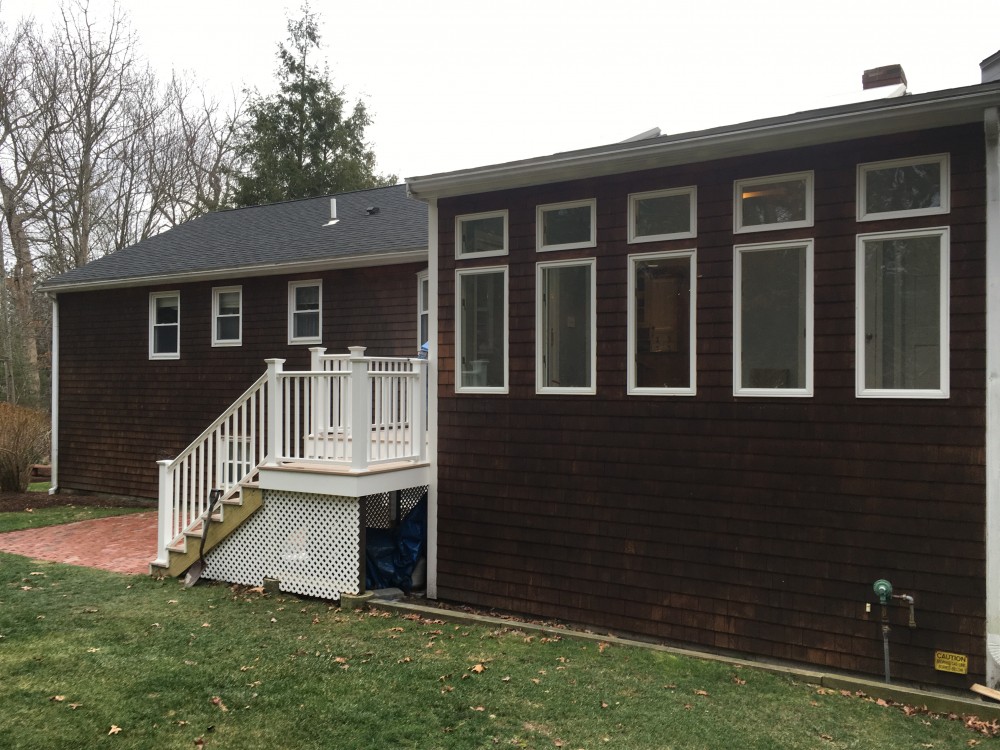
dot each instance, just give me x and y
(164, 325)
(481, 235)
(227, 315)
(481, 336)
(566, 335)
(575, 221)
(763, 204)
(681, 221)
(305, 312)
(908, 181)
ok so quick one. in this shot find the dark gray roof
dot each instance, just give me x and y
(271, 238)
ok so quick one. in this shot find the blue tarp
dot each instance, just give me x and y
(391, 554)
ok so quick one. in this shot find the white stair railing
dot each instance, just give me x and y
(224, 455)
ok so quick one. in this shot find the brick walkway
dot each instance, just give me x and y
(121, 544)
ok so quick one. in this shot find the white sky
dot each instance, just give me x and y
(454, 84)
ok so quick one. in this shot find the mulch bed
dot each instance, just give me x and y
(18, 501)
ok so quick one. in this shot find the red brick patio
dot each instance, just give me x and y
(120, 544)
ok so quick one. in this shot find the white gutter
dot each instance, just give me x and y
(432, 397)
(54, 436)
(267, 269)
(992, 128)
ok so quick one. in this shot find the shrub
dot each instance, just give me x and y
(24, 440)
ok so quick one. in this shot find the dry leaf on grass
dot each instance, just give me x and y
(115, 729)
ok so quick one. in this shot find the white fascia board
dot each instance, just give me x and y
(269, 269)
(901, 114)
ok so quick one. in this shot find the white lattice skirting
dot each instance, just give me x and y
(310, 543)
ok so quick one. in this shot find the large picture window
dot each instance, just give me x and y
(566, 226)
(305, 312)
(773, 319)
(227, 316)
(566, 361)
(783, 201)
(165, 325)
(481, 338)
(902, 319)
(903, 187)
(481, 235)
(661, 324)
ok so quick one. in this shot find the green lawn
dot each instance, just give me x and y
(23, 519)
(93, 659)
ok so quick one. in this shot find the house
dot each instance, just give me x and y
(710, 388)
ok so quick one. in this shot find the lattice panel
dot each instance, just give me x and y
(310, 543)
(378, 513)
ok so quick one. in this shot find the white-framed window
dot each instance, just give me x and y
(566, 226)
(566, 327)
(423, 308)
(481, 235)
(663, 215)
(165, 325)
(773, 319)
(661, 323)
(481, 348)
(896, 189)
(781, 201)
(902, 314)
(305, 312)
(227, 316)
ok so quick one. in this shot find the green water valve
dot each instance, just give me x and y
(883, 590)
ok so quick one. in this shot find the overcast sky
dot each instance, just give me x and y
(456, 84)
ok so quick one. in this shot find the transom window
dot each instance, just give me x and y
(661, 351)
(481, 235)
(566, 226)
(481, 338)
(902, 314)
(773, 319)
(165, 325)
(305, 312)
(783, 201)
(565, 357)
(662, 215)
(227, 316)
(904, 187)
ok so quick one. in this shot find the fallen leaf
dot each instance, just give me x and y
(688, 706)
(114, 729)
(75, 706)
(217, 701)
(340, 659)
(58, 698)
(603, 704)
(93, 650)
(826, 737)
(478, 668)
(505, 679)
(701, 692)
(536, 680)
(602, 646)
(739, 681)
(404, 660)
(206, 625)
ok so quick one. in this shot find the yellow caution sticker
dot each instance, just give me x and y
(945, 661)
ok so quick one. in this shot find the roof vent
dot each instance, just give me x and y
(887, 75)
(372, 210)
(991, 68)
(333, 213)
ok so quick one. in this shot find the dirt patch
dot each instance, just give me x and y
(17, 501)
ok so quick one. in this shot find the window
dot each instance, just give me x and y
(423, 309)
(481, 235)
(566, 226)
(661, 323)
(165, 325)
(305, 312)
(662, 215)
(773, 319)
(481, 338)
(227, 316)
(783, 201)
(565, 358)
(903, 187)
(902, 317)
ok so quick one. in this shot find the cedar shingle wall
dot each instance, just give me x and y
(119, 412)
(750, 524)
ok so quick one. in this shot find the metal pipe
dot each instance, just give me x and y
(885, 650)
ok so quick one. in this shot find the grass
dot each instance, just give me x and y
(23, 519)
(93, 659)
(39, 486)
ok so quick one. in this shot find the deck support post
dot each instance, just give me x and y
(275, 409)
(361, 411)
(165, 509)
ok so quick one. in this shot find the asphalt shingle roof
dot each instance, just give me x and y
(278, 234)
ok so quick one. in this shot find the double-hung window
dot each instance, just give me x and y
(227, 316)
(783, 201)
(165, 325)
(565, 357)
(902, 314)
(661, 323)
(305, 312)
(773, 319)
(902, 188)
(481, 339)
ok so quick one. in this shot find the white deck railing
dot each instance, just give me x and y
(347, 410)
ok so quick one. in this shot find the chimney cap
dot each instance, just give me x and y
(887, 75)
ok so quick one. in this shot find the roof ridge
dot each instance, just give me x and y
(300, 200)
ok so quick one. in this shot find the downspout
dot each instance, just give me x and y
(992, 133)
(54, 383)
(432, 396)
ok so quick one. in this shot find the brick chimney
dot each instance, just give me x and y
(887, 75)
(991, 68)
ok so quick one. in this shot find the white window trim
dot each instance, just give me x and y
(423, 305)
(634, 198)
(740, 185)
(539, 227)
(540, 334)
(292, 286)
(633, 389)
(153, 296)
(459, 255)
(459, 388)
(863, 169)
(945, 332)
(216, 292)
(738, 389)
